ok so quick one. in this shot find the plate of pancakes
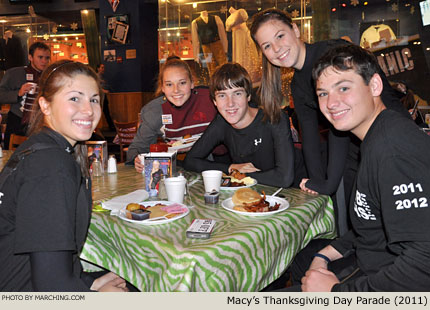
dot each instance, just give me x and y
(249, 202)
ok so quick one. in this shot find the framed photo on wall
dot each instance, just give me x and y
(120, 32)
(117, 29)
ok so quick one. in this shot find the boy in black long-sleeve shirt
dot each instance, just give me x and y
(390, 210)
(257, 147)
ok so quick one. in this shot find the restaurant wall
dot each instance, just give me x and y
(134, 64)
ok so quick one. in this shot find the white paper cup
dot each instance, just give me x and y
(212, 180)
(175, 188)
(33, 88)
(142, 160)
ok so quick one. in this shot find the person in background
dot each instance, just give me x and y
(260, 148)
(389, 246)
(183, 110)
(410, 101)
(279, 41)
(46, 203)
(17, 88)
(106, 89)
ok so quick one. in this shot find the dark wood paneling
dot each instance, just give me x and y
(125, 107)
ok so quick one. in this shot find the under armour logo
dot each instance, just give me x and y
(256, 142)
(1, 195)
(68, 150)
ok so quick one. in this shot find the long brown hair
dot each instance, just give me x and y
(270, 90)
(52, 81)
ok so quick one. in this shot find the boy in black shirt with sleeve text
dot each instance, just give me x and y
(390, 209)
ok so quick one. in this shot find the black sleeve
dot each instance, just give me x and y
(196, 159)
(308, 119)
(338, 145)
(409, 272)
(283, 173)
(53, 272)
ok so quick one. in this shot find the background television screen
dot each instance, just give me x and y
(425, 12)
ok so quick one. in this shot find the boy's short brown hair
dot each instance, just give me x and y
(228, 76)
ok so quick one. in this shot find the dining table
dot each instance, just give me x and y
(243, 253)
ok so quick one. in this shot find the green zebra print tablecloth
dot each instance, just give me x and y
(243, 253)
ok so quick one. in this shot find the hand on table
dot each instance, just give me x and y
(109, 282)
(138, 165)
(243, 168)
(304, 188)
(318, 280)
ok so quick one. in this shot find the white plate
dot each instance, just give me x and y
(122, 216)
(228, 205)
(186, 143)
(233, 188)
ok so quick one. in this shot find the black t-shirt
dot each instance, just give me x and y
(391, 210)
(325, 177)
(45, 206)
(269, 147)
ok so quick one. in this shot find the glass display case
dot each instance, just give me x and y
(209, 33)
(394, 30)
(66, 41)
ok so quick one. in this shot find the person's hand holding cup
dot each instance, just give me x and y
(28, 87)
(139, 163)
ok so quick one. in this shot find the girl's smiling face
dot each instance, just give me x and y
(281, 44)
(177, 85)
(75, 109)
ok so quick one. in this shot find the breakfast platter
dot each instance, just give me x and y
(236, 180)
(228, 204)
(247, 183)
(182, 144)
(249, 202)
(161, 212)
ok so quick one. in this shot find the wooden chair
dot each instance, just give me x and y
(15, 141)
(125, 133)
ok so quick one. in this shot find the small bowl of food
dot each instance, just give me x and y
(212, 197)
(137, 212)
(138, 215)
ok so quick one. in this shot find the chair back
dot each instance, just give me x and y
(15, 141)
(126, 133)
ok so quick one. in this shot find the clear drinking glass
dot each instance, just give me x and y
(97, 168)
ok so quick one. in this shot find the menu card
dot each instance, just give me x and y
(157, 165)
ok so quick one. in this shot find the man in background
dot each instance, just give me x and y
(19, 89)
